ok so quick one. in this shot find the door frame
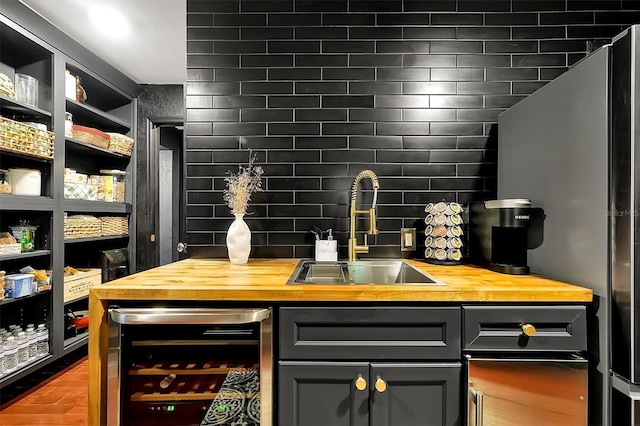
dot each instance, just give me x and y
(152, 184)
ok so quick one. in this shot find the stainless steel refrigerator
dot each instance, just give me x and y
(573, 149)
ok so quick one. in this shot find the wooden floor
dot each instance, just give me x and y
(59, 401)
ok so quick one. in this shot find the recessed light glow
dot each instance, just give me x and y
(109, 21)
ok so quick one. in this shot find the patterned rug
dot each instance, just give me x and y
(237, 402)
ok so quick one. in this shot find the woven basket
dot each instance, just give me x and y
(120, 143)
(82, 227)
(91, 136)
(22, 138)
(114, 225)
(9, 245)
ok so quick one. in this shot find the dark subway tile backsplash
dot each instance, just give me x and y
(320, 90)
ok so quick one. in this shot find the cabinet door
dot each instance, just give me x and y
(415, 394)
(323, 394)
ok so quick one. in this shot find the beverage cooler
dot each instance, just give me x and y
(525, 366)
(189, 366)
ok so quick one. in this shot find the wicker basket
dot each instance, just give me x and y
(114, 225)
(9, 245)
(91, 136)
(120, 143)
(82, 227)
(22, 138)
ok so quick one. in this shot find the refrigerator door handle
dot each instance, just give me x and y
(476, 397)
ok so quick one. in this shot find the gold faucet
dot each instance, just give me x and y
(354, 248)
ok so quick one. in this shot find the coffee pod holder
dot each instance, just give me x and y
(443, 233)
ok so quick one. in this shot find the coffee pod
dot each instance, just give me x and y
(440, 207)
(429, 208)
(440, 242)
(428, 253)
(454, 243)
(428, 230)
(454, 254)
(453, 220)
(441, 254)
(454, 231)
(428, 242)
(453, 208)
(440, 231)
(429, 219)
(439, 219)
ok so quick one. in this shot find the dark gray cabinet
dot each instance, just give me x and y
(368, 394)
(323, 393)
(369, 366)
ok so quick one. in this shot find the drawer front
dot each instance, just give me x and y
(502, 328)
(369, 333)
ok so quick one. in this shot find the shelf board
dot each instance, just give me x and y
(90, 239)
(86, 115)
(95, 206)
(74, 342)
(25, 156)
(10, 106)
(36, 253)
(9, 300)
(79, 146)
(24, 371)
(26, 202)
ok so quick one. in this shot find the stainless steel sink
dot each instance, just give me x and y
(379, 271)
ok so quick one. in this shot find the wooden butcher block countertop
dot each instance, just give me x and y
(265, 280)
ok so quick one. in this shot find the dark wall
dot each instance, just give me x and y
(320, 90)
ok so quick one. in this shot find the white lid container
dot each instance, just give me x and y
(25, 181)
(18, 285)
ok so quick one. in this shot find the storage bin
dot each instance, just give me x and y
(22, 138)
(78, 285)
(25, 181)
(91, 136)
(120, 143)
(18, 285)
(82, 226)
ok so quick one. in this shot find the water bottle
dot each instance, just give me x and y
(43, 340)
(23, 349)
(10, 355)
(1, 356)
(32, 337)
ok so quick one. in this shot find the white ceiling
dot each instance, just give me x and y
(149, 46)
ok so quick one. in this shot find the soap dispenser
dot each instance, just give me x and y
(327, 250)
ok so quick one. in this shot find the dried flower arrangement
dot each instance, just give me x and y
(240, 186)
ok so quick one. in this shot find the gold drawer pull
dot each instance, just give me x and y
(381, 385)
(528, 330)
(361, 383)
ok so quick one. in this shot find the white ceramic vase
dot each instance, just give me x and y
(239, 240)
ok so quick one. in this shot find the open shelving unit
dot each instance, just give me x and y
(108, 108)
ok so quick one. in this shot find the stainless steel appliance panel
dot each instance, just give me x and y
(527, 392)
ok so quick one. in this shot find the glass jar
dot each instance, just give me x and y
(68, 125)
(5, 182)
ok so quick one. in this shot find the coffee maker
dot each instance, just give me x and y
(498, 234)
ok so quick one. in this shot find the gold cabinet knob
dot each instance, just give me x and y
(361, 383)
(528, 330)
(381, 385)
